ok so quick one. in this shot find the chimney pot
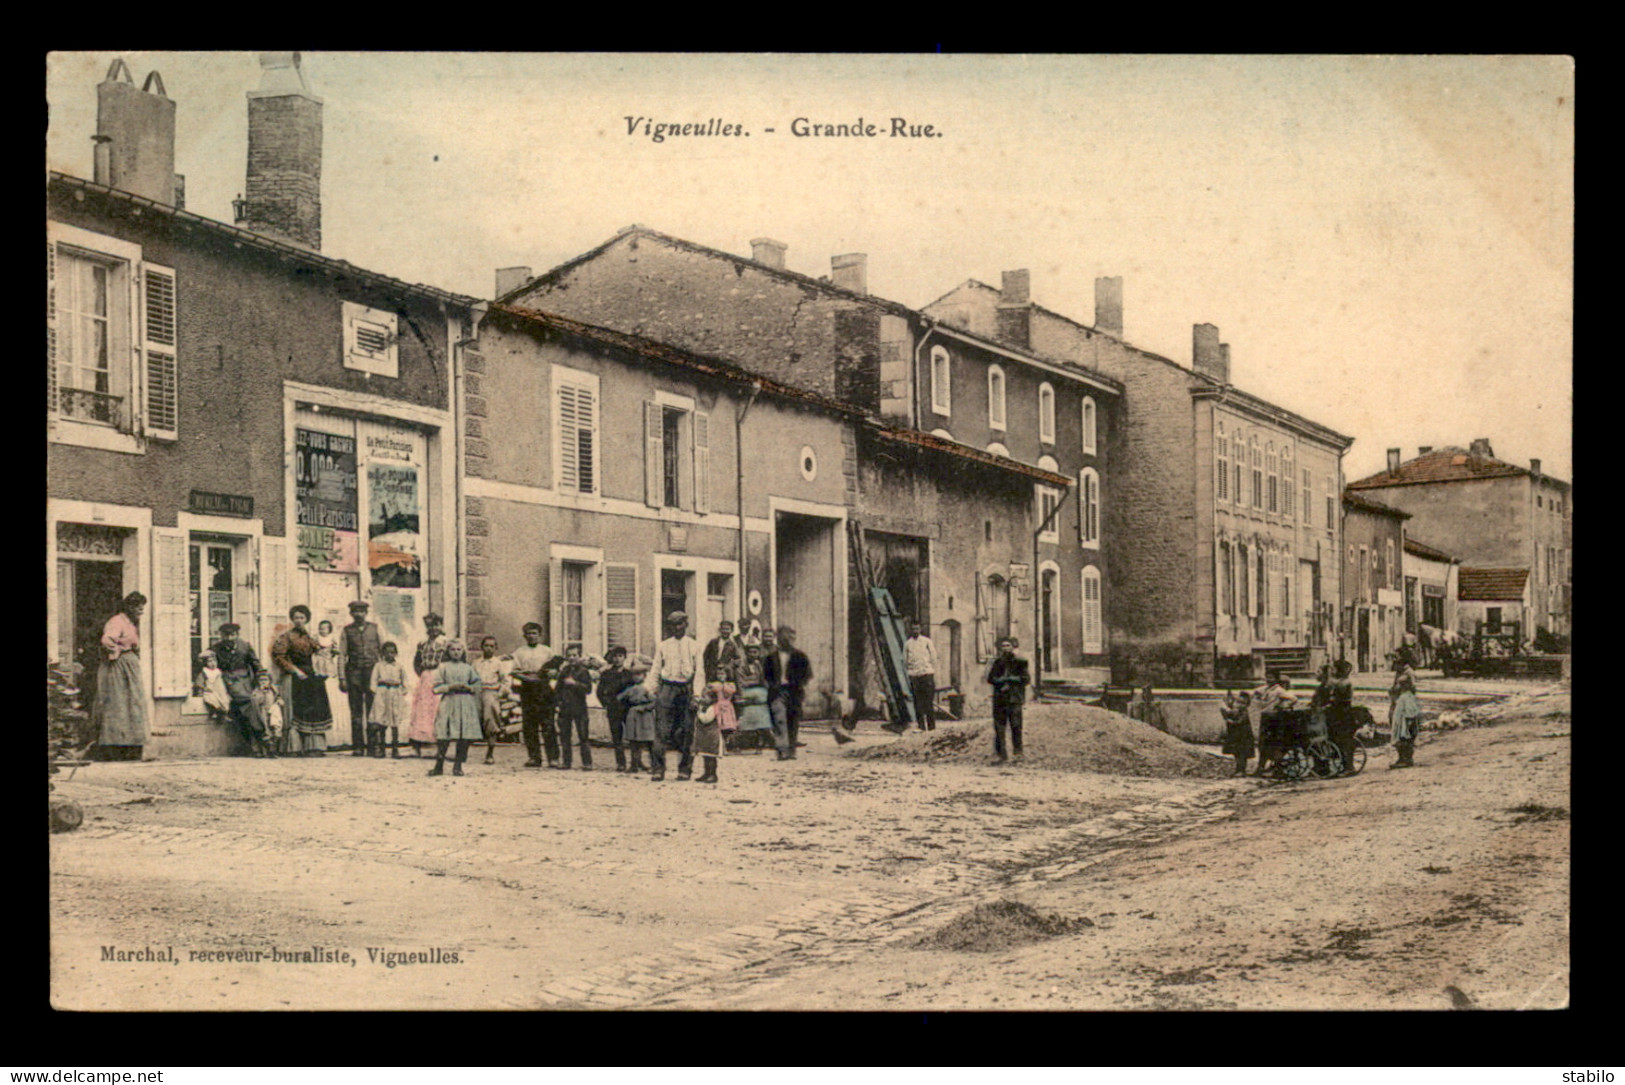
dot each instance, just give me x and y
(1016, 287)
(1424, 450)
(1208, 355)
(1109, 305)
(510, 279)
(283, 191)
(850, 272)
(1393, 460)
(135, 135)
(764, 250)
(1481, 448)
(1534, 467)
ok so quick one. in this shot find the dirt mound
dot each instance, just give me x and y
(999, 925)
(1067, 737)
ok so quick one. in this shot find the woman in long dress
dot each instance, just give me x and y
(457, 719)
(1404, 712)
(310, 717)
(425, 702)
(119, 722)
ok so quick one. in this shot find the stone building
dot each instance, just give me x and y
(1489, 514)
(235, 422)
(1431, 584)
(1373, 582)
(966, 447)
(1222, 508)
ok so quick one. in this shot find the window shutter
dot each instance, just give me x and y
(169, 629)
(586, 441)
(50, 325)
(555, 601)
(1220, 606)
(569, 467)
(1252, 586)
(1093, 626)
(984, 637)
(621, 607)
(654, 481)
(702, 462)
(273, 593)
(162, 370)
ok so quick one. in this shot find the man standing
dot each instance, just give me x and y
(240, 669)
(788, 671)
(920, 661)
(1009, 678)
(721, 653)
(531, 664)
(359, 649)
(675, 678)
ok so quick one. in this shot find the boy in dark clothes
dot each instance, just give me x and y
(575, 682)
(1009, 678)
(610, 684)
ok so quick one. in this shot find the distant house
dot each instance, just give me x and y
(1373, 581)
(1489, 514)
(1495, 598)
(1431, 577)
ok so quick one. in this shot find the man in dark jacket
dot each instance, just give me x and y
(359, 648)
(1009, 678)
(788, 672)
(240, 669)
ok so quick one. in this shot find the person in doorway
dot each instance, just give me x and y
(1238, 729)
(359, 645)
(1009, 677)
(533, 663)
(389, 712)
(615, 678)
(1404, 711)
(920, 661)
(457, 715)
(494, 684)
(1340, 722)
(576, 677)
(425, 702)
(310, 716)
(240, 672)
(119, 722)
(788, 672)
(675, 678)
(1274, 701)
(722, 653)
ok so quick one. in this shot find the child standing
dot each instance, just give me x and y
(1238, 728)
(707, 729)
(268, 703)
(575, 682)
(639, 726)
(493, 681)
(388, 681)
(457, 719)
(611, 683)
(1009, 678)
(211, 686)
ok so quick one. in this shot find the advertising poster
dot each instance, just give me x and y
(393, 538)
(325, 492)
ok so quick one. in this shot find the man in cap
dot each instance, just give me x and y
(360, 647)
(535, 668)
(240, 669)
(675, 678)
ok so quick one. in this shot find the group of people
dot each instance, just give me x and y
(1332, 714)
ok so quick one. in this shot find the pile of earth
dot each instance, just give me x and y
(999, 925)
(1064, 737)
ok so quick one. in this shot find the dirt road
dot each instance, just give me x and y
(836, 881)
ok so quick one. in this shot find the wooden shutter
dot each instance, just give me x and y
(984, 636)
(654, 460)
(569, 477)
(586, 441)
(162, 368)
(273, 593)
(555, 601)
(702, 462)
(621, 607)
(169, 629)
(50, 325)
(1252, 583)
(1092, 623)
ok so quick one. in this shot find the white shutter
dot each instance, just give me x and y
(1252, 583)
(50, 325)
(169, 630)
(586, 441)
(162, 368)
(555, 602)
(654, 478)
(984, 636)
(1092, 624)
(621, 607)
(569, 475)
(702, 462)
(273, 565)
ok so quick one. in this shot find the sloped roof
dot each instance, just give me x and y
(1423, 550)
(1355, 501)
(1449, 464)
(1476, 583)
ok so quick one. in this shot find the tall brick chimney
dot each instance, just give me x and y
(1393, 461)
(135, 136)
(764, 250)
(850, 272)
(1481, 448)
(1014, 313)
(1534, 468)
(283, 193)
(510, 279)
(1109, 305)
(1209, 357)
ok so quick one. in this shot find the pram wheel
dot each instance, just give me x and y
(1325, 758)
(1295, 764)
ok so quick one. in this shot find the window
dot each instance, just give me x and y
(1223, 446)
(677, 454)
(1331, 505)
(1089, 432)
(671, 423)
(111, 365)
(1364, 573)
(574, 606)
(1393, 566)
(941, 393)
(370, 340)
(1257, 460)
(1308, 498)
(1093, 626)
(1262, 586)
(1273, 488)
(1226, 588)
(1049, 499)
(1237, 455)
(576, 416)
(1046, 414)
(995, 398)
(1492, 619)
(1089, 508)
(1244, 604)
(1286, 480)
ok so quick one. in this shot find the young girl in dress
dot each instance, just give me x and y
(458, 686)
(268, 703)
(388, 702)
(211, 686)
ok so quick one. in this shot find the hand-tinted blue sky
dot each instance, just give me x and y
(1386, 243)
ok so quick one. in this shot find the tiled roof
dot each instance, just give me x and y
(1423, 550)
(1490, 585)
(1445, 465)
(1355, 501)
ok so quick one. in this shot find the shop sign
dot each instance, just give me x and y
(325, 498)
(204, 503)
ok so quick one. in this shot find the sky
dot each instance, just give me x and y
(1385, 242)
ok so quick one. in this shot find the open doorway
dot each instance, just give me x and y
(806, 589)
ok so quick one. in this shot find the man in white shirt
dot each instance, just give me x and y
(531, 664)
(920, 661)
(675, 678)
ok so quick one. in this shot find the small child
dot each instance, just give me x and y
(1009, 678)
(639, 726)
(211, 686)
(493, 682)
(707, 733)
(268, 703)
(327, 650)
(1238, 728)
(388, 702)
(615, 678)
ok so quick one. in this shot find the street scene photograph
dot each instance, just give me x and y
(787, 532)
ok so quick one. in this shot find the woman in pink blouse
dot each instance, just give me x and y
(120, 719)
